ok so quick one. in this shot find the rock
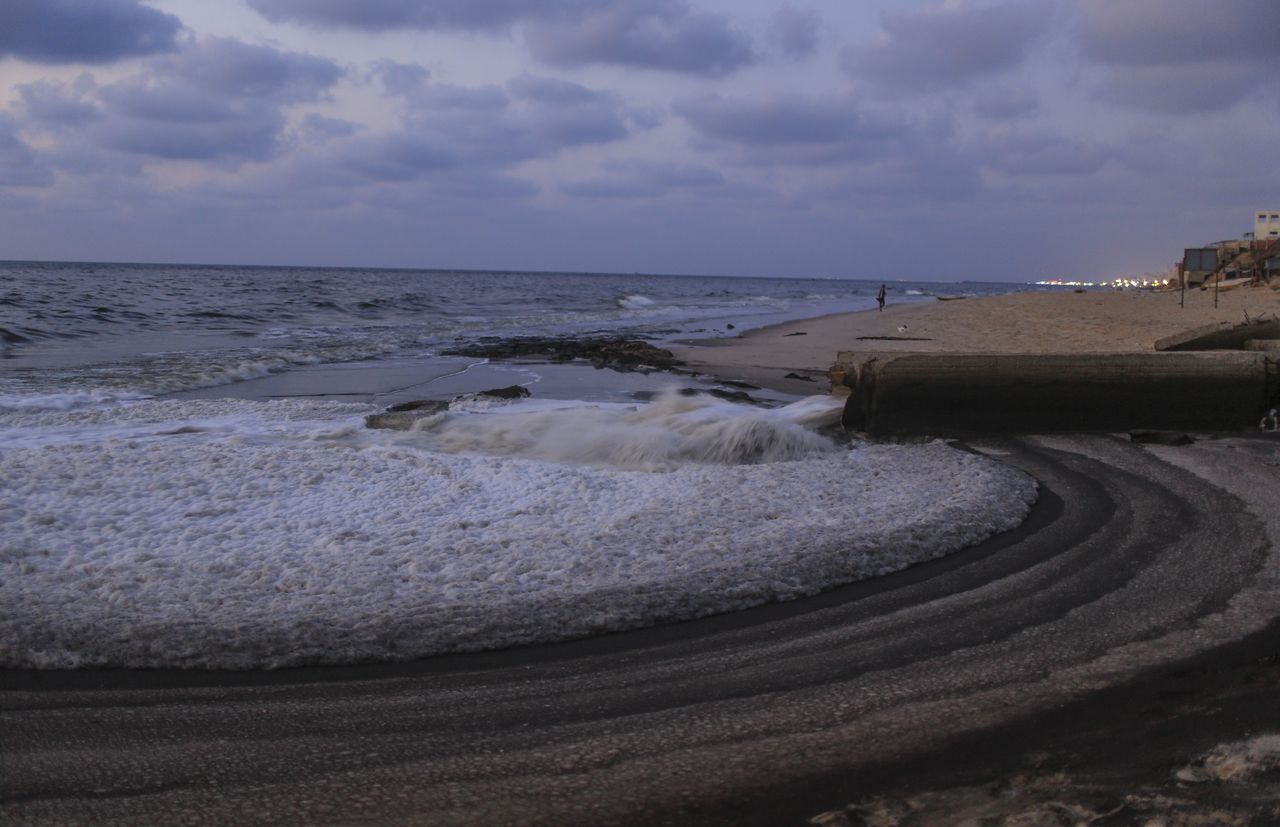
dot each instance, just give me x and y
(405, 415)
(794, 375)
(720, 393)
(623, 355)
(797, 333)
(427, 406)
(729, 327)
(402, 417)
(397, 421)
(509, 392)
(738, 383)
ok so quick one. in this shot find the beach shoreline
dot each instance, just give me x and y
(1056, 321)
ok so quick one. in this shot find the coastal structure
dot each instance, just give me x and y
(1198, 263)
(1251, 256)
(961, 394)
(1266, 225)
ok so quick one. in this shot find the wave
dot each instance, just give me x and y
(671, 431)
(635, 302)
(65, 401)
(161, 374)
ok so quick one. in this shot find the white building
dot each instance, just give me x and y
(1266, 225)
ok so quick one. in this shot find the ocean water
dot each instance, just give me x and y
(186, 480)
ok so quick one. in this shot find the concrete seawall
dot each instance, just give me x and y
(1018, 393)
(1222, 336)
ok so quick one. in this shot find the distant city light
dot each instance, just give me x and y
(1149, 282)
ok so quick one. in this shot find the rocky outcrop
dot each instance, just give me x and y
(623, 355)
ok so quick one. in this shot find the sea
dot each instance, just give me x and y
(83, 334)
(187, 481)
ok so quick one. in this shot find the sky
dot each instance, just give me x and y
(1006, 140)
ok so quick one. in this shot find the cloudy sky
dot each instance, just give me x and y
(996, 139)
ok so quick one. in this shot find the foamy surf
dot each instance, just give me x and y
(635, 302)
(236, 534)
(672, 430)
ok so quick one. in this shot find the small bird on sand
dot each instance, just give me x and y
(902, 328)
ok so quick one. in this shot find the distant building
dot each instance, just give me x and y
(1266, 225)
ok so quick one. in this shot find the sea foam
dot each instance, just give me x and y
(671, 431)
(236, 534)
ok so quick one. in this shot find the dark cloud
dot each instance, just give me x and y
(400, 78)
(1170, 32)
(487, 129)
(558, 114)
(317, 129)
(650, 34)
(84, 31)
(400, 157)
(644, 179)
(57, 107)
(1194, 88)
(796, 30)
(553, 91)
(566, 114)
(778, 119)
(446, 96)
(942, 47)
(423, 14)
(1001, 103)
(219, 99)
(1044, 154)
(20, 165)
(231, 68)
(647, 34)
(1181, 56)
(918, 184)
(219, 131)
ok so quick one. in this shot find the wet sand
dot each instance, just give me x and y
(1075, 670)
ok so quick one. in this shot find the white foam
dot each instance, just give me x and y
(64, 401)
(670, 431)
(635, 302)
(267, 534)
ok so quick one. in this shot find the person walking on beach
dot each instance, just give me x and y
(880, 297)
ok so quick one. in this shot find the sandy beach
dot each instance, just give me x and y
(1110, 661)
(1032, 322)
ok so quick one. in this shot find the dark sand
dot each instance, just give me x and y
(1062, 671)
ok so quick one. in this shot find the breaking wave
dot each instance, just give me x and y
(635, 302)
(672, 430)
